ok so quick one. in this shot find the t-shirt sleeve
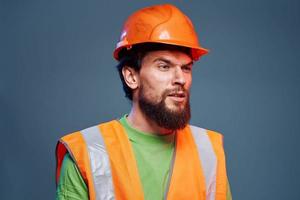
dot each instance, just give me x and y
(71, 185)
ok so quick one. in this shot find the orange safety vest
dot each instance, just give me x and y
(105, 159)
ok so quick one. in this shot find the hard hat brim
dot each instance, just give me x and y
(196, 52)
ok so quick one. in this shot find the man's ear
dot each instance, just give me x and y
(131, 77)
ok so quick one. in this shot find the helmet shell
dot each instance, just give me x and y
(160, 24)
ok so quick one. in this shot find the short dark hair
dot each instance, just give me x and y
(133, 57)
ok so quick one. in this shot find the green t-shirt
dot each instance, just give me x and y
(153, 156)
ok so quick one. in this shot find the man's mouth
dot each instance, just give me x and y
(177, 96)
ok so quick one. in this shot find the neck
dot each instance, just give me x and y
(140, 121)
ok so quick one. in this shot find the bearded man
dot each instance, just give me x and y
(151, 153)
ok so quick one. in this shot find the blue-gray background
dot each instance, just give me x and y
(57, 75)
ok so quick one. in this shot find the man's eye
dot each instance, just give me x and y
(163, 67)
(187, 69)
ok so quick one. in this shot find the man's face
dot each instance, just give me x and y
(165, 81)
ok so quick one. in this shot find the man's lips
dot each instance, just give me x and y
(177, 96)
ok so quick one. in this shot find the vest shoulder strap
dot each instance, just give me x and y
(75, 145)
(212, 157)
(123, 164)
(187, 178)
(221, 182)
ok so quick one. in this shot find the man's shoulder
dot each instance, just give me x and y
(91, 128)
(201, 130)
(201, 135)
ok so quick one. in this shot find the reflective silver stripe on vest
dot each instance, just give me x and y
(208, 160)
(100, 165)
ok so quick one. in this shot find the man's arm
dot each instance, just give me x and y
(71, 186)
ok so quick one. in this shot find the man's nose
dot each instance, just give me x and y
(179, 77)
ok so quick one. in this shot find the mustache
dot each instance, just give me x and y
(175, 90)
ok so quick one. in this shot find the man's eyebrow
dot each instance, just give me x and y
(188, 64)
(171, 63)
(163, 60)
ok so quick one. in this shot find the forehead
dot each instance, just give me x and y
(173, 56)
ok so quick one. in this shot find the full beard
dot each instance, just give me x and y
(162, 115)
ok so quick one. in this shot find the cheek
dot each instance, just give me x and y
(188, 83)
(153, 87)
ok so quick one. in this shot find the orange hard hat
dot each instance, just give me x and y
(160, 24)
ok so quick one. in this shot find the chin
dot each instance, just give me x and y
(175, 108)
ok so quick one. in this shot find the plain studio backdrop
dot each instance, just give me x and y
(57, 75)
